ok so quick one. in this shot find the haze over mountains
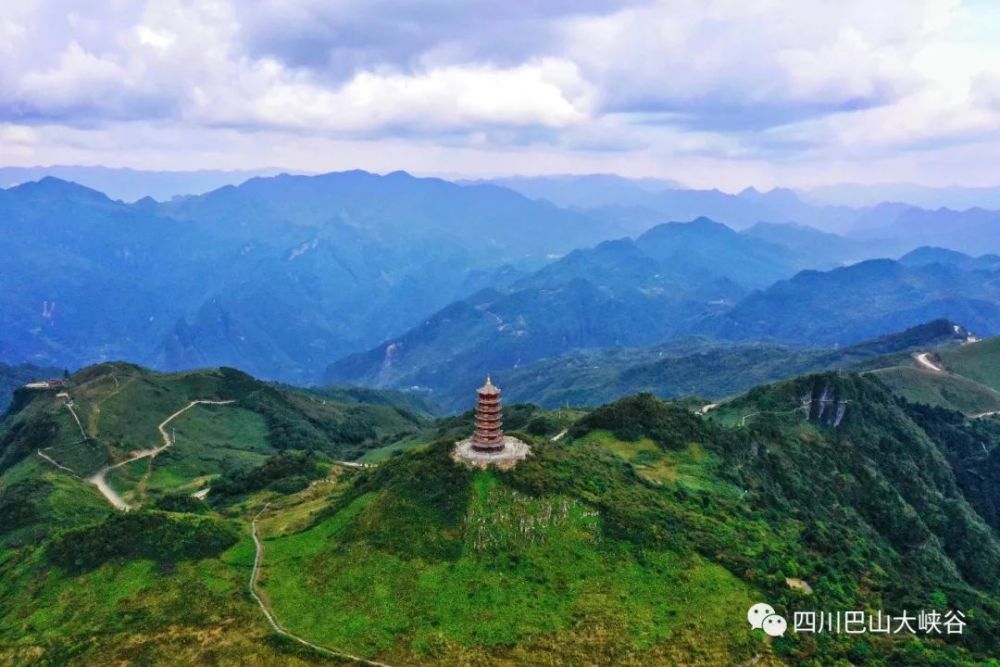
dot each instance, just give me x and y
(400, 281)
(133, 184)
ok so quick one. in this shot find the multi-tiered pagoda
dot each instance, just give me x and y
(488, 436)
(488, 446)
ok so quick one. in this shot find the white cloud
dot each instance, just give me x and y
(78, 79)
(158, 39)
(743, 89)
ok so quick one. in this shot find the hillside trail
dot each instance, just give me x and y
(923, 358)
(99, 479)
(56, 463)
(72, 411)
(269, 614)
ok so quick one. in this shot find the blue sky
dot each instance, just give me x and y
(715, 93)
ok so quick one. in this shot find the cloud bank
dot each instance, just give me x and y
(712, 93)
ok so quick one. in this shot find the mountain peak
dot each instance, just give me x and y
(700, 226)
(49, 187)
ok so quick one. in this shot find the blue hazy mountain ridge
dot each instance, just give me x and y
(84, 276)
(618, 295)
(925, 255)
(886, 227)
(497, 223)
(639, 201)
(277, 276)
(585, 190)
(282, 275)
(972, 231)
(864, 300)
(858, 195)
(812, 247)
(686, 253)
(133, 184)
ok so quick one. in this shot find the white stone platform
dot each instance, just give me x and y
(513, 451)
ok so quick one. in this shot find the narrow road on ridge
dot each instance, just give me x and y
(99, 479)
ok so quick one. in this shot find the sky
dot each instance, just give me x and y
(714, 93)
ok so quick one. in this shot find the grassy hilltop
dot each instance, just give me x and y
(639, 536)
(968, 379)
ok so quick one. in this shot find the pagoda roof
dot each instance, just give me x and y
(489, 388)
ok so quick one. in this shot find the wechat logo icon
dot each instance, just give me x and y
(762, 617)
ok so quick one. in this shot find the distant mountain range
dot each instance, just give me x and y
(616, 295)
(276, 275)
(585, 191)
(857, 195)
(619, 293)
(868, 299)
(429, 283)
(886, 227)
(133, 184)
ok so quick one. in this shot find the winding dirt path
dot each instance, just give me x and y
(924, 360)
(56, 463)
(76, 418)
(99, 479)
(269, 614)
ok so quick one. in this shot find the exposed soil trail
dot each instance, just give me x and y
(99, 479)
(76, 418)
(57, 464)
(924, 360)
(269, 615)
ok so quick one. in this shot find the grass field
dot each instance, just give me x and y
(139, 613)
(943, 389)
(977, 361)
(535, 576)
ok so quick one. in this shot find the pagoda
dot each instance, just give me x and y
(488, 446)
(488, 435)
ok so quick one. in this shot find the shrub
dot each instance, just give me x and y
(160, 536)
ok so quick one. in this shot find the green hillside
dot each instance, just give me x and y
(977, 361)
(632, 539)
(218, 422)
(945, 389)
(702, 367)
(639, 536)
(968, 382)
